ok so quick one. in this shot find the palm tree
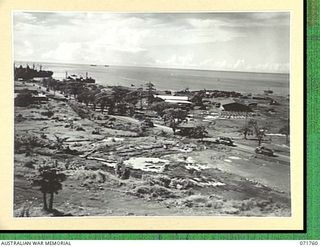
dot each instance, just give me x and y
(105, 98)
(150, 90)
(49, 178)
(60, 141)
(247, 128)
(260, 132)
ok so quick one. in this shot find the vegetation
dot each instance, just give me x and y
(150, 92)
(48, 114)
(28, 142)
(60, 141)
(197, 98)
(252, 127)
(23, 99)
(199, 132)
(121, 139)
(259, 131)
(159, 107)
(247, 129)
(122, 171)
(174, 116)
(286, 131)
(49, 178)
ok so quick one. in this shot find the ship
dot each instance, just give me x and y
(75, 78)
(268, 92)
(27, 73)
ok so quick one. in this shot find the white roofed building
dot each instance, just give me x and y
(174, 99)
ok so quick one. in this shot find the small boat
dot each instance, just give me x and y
(106, 65)
(93, 65)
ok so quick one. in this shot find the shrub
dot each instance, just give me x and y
(23, 99)
(28, 141)
(48, 114)
(29, 164)
(81, 110)
(80, 128)
(96, 131)
(19, 118)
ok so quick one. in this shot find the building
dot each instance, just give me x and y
(172, 97)
(179, 100)
(236, 107)
(231, 109)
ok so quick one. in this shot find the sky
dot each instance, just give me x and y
(235, 41)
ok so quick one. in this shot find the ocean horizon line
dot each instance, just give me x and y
(133, 66)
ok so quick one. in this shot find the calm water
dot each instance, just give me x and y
(175, 79)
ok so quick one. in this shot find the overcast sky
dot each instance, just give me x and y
(219, 41)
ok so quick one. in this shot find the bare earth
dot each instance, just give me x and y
(169, 174)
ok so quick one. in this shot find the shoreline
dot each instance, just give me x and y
(178, 79)
(150, 67)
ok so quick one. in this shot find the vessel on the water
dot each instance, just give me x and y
(75, 78)
(268, 91)
(27, 73)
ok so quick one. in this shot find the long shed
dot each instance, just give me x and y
(236, 107)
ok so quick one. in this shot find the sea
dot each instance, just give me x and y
(173, 79)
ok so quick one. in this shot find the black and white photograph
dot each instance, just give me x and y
(151, 114)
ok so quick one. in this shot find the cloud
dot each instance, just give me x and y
(178, 61)
(242, 65)
(24, 49)
(224, 41)
(239, 64)
(270, 67)
(67, 52)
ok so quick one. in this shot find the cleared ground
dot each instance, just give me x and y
(169, 175)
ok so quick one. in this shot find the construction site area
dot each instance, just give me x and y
(143, 152)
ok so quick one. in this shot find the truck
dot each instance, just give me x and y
(265, 151)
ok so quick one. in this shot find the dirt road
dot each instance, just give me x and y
(277, 156)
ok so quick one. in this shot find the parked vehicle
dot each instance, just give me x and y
(264, 151)
(225, 140)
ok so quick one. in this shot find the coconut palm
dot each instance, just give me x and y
(49, 178)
